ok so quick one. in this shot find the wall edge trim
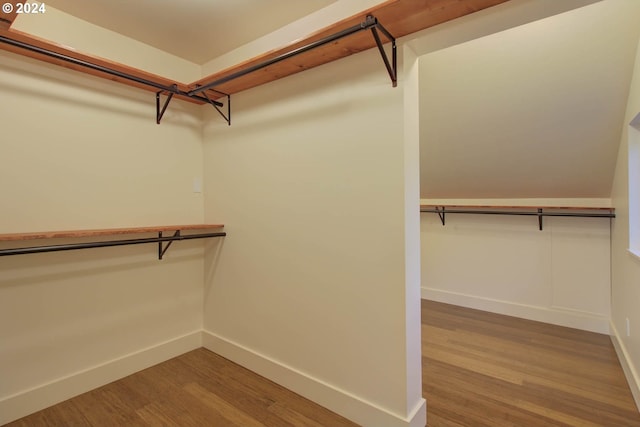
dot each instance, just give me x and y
(339, 401)
(628, 368)
(554, 316)
(26, 402)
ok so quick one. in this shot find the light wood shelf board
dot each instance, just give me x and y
(399, 17)
(105, 232)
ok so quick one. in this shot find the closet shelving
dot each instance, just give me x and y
(205, 231)
(352, 35)
(537, 211)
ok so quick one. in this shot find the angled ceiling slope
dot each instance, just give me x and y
(535, 111)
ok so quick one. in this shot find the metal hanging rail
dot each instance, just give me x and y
(370, 23)
(540, 213)
(172, 89)
(89, 245)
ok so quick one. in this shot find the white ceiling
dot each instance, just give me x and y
(534, 111)
(196, 30)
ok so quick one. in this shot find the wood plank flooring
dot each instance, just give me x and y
(198, 388)
(479, 369)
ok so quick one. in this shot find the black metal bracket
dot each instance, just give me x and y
(162, 250)
(540, 213)
(370, 23)
(160, 112)
(217, 105)
(74, 246)
(540, 219)
(440, 213)
(392, 68)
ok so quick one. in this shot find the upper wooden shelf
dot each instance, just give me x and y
(105, 232)
(399, 17)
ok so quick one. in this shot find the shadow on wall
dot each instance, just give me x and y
(212, 251)
(177, 114)
(332, 97)
(18, 270)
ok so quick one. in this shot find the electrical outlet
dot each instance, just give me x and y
(628, 328)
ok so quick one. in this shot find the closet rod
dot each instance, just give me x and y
(107, 243)
(570, 214)
(370, 23)
(171, 89)
(442, 211)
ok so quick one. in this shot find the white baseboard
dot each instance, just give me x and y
(627, 365)
(555, 316)
(29, 401)
(331, 397)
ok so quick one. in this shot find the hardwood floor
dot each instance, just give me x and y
(479, 369)
(198, 388)
(482, 369)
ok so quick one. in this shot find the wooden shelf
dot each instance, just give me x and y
(104, 232)
(566, 208)
(163, 241)
(38, 42)
(399, 17)
(537, 211)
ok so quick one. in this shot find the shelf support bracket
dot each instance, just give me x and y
(217, 105)
(440, 214)
(160, 112)
(161, 250)
(540, 219)
(392, 68)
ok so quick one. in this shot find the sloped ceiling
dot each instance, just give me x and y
(535, 111)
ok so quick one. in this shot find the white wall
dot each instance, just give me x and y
(511, 127)
(81, 152)
(505, 264)
(625, 295)
(82, 36)
(309, 288)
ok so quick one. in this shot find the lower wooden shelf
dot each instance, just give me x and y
(70, 234)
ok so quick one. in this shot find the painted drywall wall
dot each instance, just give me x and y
(480, 110)
(309, 287)
(67, 30)
(80, 152)
(505, 264)
(537, 95)
(625, 281)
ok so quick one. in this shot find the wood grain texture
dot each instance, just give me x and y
(199, 389)
(6, 19)
(86, 57)
(483, 369)
(105, 232)
(478, 370)
(399, 17)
